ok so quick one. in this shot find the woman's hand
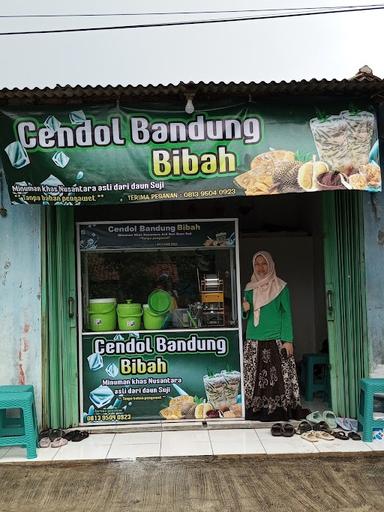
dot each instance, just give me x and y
(246, 306)
(289, 348)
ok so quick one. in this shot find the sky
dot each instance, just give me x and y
(326, 46)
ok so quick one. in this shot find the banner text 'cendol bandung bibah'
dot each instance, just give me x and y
(109, 154)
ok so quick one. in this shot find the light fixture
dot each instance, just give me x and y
(189, 107)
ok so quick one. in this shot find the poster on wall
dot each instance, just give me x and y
(156, 235)
(161, 376)
(116, 155)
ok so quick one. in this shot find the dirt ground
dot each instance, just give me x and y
(204, 484)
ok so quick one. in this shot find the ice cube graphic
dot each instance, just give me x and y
(95, 361)
(52, 123)
(17, 155)
(118, 337)
(91, 410)
(80, 175)
(60, 159)
(53, 183)
(112, 370)
(77, 117)
(101, 396)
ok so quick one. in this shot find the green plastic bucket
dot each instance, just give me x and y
(160, 302)
(102, 314)
(152, 321)
(129, 316)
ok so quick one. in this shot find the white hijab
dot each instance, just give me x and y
(265, 289)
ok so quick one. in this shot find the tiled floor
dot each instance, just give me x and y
(130, 446)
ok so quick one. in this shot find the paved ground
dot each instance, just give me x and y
(311, 483)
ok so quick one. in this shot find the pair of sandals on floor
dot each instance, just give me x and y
(321, 423)
(314, 432)
(55, 438)
(317, 427)
(327, 422)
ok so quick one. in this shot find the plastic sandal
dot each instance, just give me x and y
(303, 426)
(324, 436)
(72, 434)
(315, 417)
(340, 435)
(44, 433)
(310, 436)
(351, 424)
(321, 426)
(354, 436)
(288, 430)
(44, 442)
(277, 429)
(59, 441)
(330, 419)
(79, 435)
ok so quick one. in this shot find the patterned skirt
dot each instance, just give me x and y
(271, 384)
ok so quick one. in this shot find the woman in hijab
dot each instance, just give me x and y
(271, 385)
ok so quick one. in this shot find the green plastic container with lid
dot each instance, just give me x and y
(152, 321)
(159, 302)
(102, 314)
(129, 316)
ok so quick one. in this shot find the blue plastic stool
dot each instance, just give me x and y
(8, 424)
(368, 388)
(23, 400)
(312, 385)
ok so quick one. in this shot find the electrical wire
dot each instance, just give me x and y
(184, 13)
(190, 23)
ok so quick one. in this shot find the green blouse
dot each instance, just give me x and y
(275, 319)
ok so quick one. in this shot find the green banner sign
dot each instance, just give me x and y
(157, 235)
(109, 154)
(161, 376)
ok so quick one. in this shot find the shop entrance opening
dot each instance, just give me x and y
(289, 227)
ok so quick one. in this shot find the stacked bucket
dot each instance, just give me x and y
(104, 314)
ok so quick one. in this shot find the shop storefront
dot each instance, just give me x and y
(145, 301)
(176, 352)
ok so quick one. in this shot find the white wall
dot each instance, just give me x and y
(20, 297)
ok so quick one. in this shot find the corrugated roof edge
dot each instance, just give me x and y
(360, 87)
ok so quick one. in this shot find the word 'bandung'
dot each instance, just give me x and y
(248, 130)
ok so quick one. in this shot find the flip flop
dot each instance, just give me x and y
(288, 430)
(321, 426)
(310, 436)
(354, 436)
(52, 433)
(341, 422)
(351, 424)
(324, 436)
(79, 435)
(330, 419)
(44, 433)
(72, 434)
(44, 442)
(340, 435)
(315, 417)
(277, 429)
(303, 426)
(59, 441)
